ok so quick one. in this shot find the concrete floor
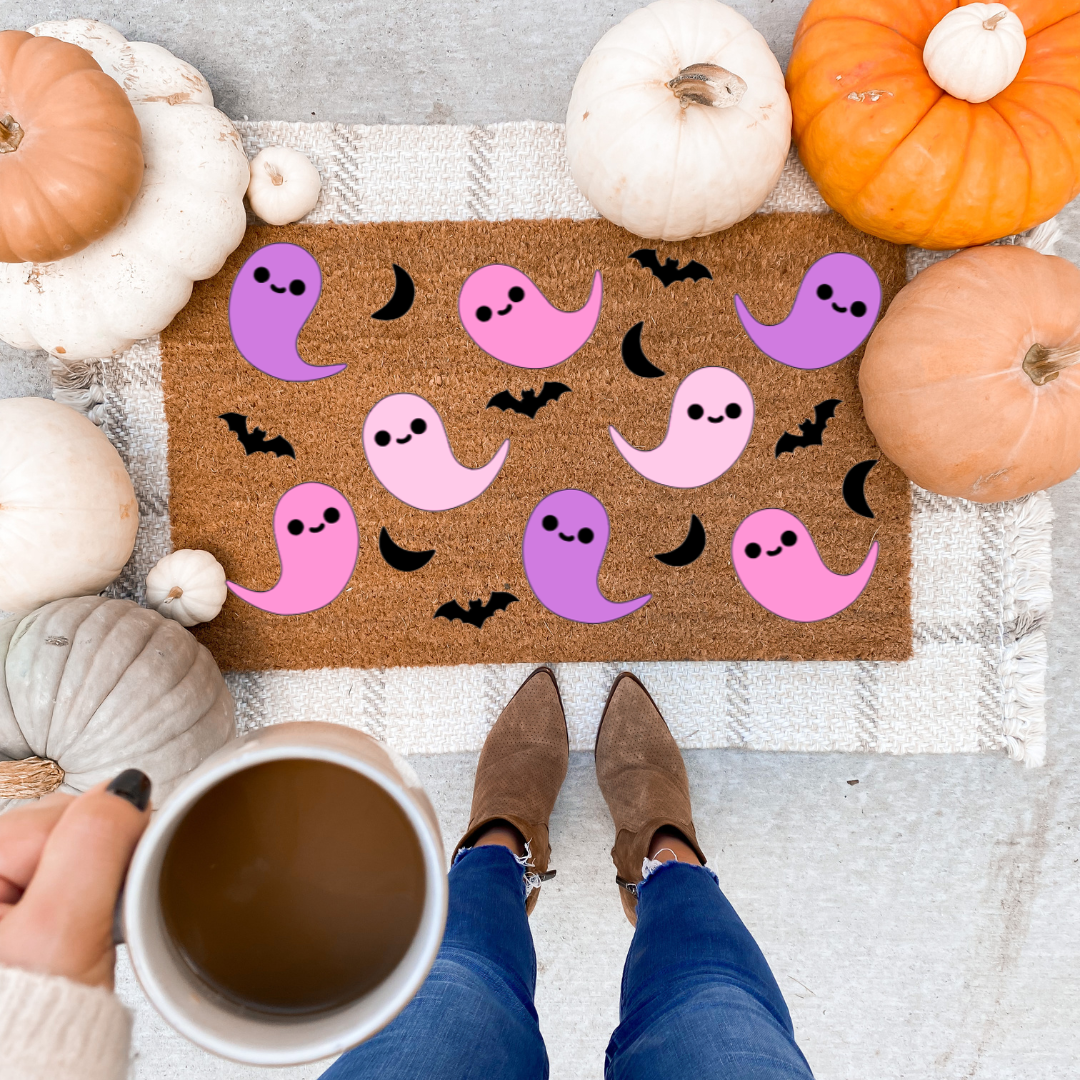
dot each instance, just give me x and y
(922, 923)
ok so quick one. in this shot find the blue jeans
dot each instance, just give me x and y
(698, 998)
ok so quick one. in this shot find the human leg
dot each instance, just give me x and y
(474, 1018)
(698, 998)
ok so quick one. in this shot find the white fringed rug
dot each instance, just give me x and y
(980, 574)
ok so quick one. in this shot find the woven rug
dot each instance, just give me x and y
(979, 582)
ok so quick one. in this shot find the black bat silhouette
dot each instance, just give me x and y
(670, 271)
(812, 430)
(478, 612)
(256, 442)
(531, 402)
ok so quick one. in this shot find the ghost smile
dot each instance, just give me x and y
(506, 310)
(716, 419)
(317, 528)
(568, 539)
(776, 552)
(837, 307)
(277, 288)
(405, 440)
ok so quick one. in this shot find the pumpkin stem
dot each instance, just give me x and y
(991, 23)
(174, 594)
(275, 177)
(30, 778)
(1043, 365)
(11, 134)
(707, 84)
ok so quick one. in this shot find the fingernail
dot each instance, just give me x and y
(133, 785)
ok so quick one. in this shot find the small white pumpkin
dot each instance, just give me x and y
(68, 514)
(188, 586)
(679, 123)
(186, 220)
(975, 51)
(97, 686)
(284, 186)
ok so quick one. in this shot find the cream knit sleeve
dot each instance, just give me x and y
(55, 1029)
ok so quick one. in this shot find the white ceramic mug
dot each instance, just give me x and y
(210, 1020)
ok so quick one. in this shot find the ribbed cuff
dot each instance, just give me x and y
(55, 1029)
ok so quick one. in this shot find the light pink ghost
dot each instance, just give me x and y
(512, 320)
(318, 541)
(779, 566)
(409, 453)
(712, 415)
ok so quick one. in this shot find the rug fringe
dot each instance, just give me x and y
(79, 385)
(1026, 604)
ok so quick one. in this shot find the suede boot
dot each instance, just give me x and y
(643, 780)
(522, 767)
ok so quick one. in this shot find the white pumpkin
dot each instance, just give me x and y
(679, 123)
(188, 586)
(68, 514)
(284, 185)
(98, 686)
(186, 220)
(975, 51)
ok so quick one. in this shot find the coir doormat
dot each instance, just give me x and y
(654, 494)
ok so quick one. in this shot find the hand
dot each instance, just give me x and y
(62, 862)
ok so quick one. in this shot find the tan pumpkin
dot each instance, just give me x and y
(971, 381)
(70, 149)
(90, 686)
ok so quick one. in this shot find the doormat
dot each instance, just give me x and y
(558, 441)
(980, 574)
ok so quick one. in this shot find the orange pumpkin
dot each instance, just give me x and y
(70, 149)
(971, 381)
(902, 159)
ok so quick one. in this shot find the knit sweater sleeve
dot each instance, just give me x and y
(55, 1029)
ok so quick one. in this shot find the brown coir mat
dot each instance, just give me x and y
(223, 499)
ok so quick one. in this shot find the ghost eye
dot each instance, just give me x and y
(296, 526)
(733, 411)
(586, 535)
(695, 412)
(382, 438)
(858, 309)
(262, 275)
(550, 522)
(331, 514)
(517, 294)
(752, 550)
(788, 538)
(418, 426)
(297, 287)
(483, 313)
(824, 292)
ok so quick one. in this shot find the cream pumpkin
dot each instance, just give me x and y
(188, 586)
(186, 219)
(679, 123)
(91, 687)
(285, 185)
(971, 381)
(975, 51)
(68, 514)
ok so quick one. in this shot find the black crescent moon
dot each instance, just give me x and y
(854, 487)
(401, 558)
(402, 300)
(690, 548)
(633, 356)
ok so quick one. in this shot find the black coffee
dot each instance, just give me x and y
(293, 886)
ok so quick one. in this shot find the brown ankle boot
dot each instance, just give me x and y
(643, 779)
(521, 769)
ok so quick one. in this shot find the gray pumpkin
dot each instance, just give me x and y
(99, 686)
